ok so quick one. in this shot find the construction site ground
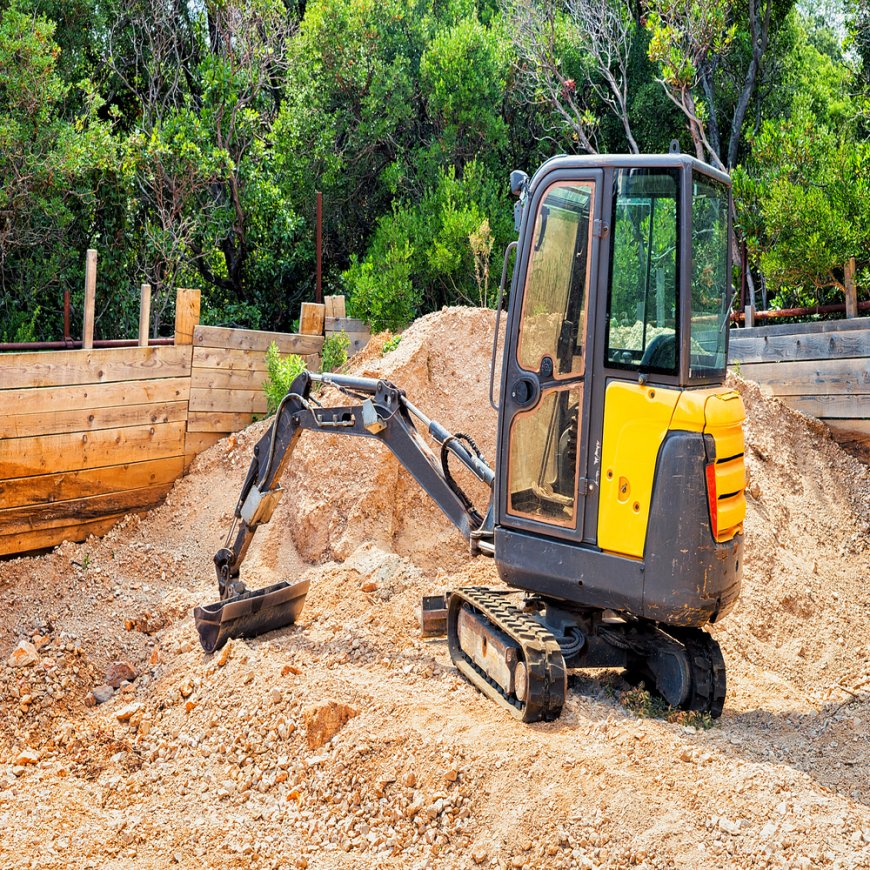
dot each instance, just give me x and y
(349, 741)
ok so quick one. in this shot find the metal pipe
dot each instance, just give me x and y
(362, 385)
(66, 305)
(22, 346)
(774, 314)
(318, 290)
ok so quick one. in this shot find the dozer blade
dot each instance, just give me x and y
(249, 614)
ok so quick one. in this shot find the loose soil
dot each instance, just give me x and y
(349, 741)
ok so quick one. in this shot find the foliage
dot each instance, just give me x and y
(334, 353)
(282, 371)
(804, 204)
(185, 141)
(642, 703)
(391, 344)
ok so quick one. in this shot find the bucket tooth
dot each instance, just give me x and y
(249, 614)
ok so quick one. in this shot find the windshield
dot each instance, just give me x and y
(642, 299)
(710, 280)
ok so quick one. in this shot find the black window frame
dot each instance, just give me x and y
(677, 174)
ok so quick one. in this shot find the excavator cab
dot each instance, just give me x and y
(617, 508)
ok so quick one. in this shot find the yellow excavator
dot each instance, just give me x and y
(617, 508)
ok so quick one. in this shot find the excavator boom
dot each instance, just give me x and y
(382, 413)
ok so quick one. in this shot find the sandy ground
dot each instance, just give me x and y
(349, 741)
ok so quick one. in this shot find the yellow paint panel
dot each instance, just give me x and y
(636, 419)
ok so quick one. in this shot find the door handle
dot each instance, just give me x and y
(525, 391)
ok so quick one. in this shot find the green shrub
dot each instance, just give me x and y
(334, 354)
(391, 344)
(282, 372)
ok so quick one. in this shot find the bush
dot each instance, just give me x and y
(282, 372)
(334, 354)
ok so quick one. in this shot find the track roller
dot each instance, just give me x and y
(506, 654)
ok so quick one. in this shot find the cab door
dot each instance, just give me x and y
(542, 428)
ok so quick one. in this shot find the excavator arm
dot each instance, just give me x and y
(382, 412)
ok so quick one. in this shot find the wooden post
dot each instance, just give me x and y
(851, 289)
(186, 315)
(335, 306)
(144, 314)
(749, 316)
(90, 299)
(311, 318)
(318, 220)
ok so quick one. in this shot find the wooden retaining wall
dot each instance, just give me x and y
(87, 436)
(822, 369)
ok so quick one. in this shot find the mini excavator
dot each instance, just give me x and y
(617, 507)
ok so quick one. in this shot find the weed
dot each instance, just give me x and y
(282, 372)
(646, 705)
(334, 354)
(391, 344)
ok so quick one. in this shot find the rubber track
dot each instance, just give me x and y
(547, 676)
(708, 671)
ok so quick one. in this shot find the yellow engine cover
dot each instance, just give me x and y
(636, 419)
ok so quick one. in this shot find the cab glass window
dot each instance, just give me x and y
(642, 310)
(710, 280)
(554, 302)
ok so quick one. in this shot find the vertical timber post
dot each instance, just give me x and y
(749, 316)
(851, 289)
(90, 299)
(318, 289)
(144, 314)
(66, 328)
(311, 318)
(186, 315)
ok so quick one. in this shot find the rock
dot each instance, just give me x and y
(277, 696)
(125, 713)
(728, 826)
(118, 672)
(371, 586)
(324, 720)
(290, 669)
(225, 653)
(451, 775)
(186, 688)
(479, 856)
(155, 656)
(27, 756)
(23, 656)
(90, 700)
(102, 693)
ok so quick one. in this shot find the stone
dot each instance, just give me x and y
(27, 756)
(155, 656)
(102, 693)
(186, 688)
(23, 656)
(118, 672)
(371, 586)
(324, 720)
(451, 775)
(125, 713)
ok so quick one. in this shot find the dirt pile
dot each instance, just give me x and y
(348, 740)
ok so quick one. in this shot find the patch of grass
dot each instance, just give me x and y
(646, 705)
(391, 344)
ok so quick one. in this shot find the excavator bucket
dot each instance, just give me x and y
(249, 614)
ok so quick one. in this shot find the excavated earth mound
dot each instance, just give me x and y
(348, 740)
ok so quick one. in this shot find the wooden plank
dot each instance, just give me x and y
(90, 299)
(851, 288)
(196, 442)
(849, 430)
(248, 339)
(229, 359)
(811, 377)
(23, 543)
(862, 322)
(335, 306)
(144, 314)
(91, 481)
(348, 324)
(71, 422)
(227, 379)
(69, 367)
(236, 401)
(216, 421)
(822, 345)
(311, 318)
(186, 315)
(843, 407)
(46, 454)
(54, 399)
(59, 514)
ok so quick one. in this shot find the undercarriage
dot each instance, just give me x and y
(518, 650)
